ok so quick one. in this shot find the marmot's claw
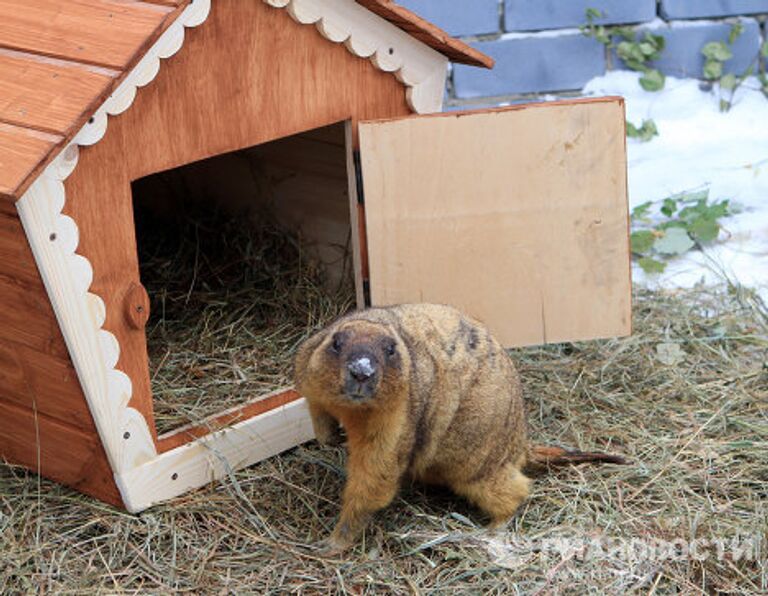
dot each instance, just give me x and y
(330, 547)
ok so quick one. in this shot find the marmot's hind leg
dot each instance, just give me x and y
(499, 494)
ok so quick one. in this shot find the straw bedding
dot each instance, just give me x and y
(693, 420)
(231, 298)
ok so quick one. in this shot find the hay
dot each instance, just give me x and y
(231, 298)
(695, 431)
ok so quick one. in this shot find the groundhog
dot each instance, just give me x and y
(426, 393)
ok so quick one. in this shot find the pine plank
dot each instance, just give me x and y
(104, 32)
(49, 384)
(184, 435)
(21, 151)
(27, 318)
(47, 94)
(16, 260)
(57, 451)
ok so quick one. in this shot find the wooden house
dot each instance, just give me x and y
(517, 215)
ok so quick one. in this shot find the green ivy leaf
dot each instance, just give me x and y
(713, 70)
(594, 13)
(728, 81)
(602, 35)
(736, 30)
(641, 242)
(668, 207)
(651, 266)
(647, 49)
(630, 53)
(652, 80)
(626, 33)
(717, 50)
(675, 241)
(672, 223)
(696, 196)
(645, 132)
(658, 40)
(704, 229)
(641, 211)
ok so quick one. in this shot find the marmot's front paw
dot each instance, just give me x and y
(331, 547)
(330, 436)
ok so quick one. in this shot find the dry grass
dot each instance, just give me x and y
(229, 305)
(696, 432)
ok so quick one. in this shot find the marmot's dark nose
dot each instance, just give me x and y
(361, 368)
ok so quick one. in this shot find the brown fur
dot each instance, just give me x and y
(444, 407)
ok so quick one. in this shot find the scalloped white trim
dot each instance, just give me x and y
(366, 35)
(67, 275)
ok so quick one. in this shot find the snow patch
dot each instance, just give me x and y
(700, 147)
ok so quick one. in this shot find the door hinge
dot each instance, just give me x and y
(358, 176)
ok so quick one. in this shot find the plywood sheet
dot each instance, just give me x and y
(517, 216)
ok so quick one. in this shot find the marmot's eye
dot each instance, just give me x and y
(390, 349)
(337, 343)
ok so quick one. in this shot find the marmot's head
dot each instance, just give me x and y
(355, 362)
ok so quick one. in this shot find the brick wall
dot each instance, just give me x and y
(539, 49)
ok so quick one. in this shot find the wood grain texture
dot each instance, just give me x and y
(321, 84)
(79, 97)
(34, 363)
(213, 456)
(46, 94)
(57, 451)
(16, 260)
(26, 318)
(366, 35)
(316, 84)
(222, 420)
(517, 216)
(104, 32)
(48, 383)
(21, 150)
(53, 238)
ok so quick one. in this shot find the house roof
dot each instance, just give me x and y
(61, 59)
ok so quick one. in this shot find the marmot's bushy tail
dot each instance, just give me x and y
(540, 457)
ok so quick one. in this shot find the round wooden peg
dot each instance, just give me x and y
(137, 306)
